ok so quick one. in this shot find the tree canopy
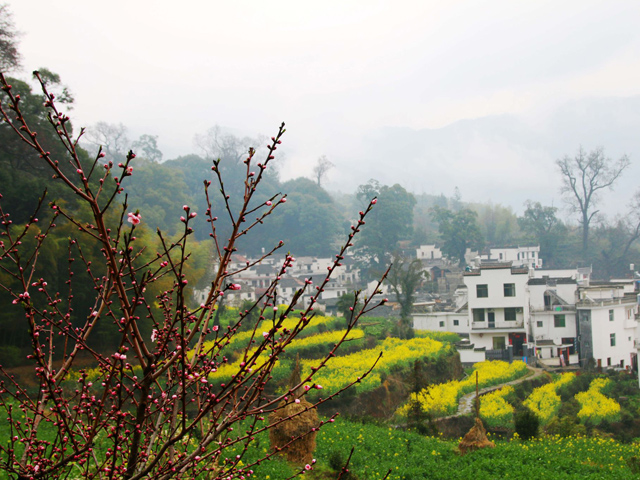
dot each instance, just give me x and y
(390, 221)
(459, 231)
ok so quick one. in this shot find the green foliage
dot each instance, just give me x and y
(459, 231)
(565, 426)
(390, 221)
(541, 225)
(526, 424)
(498, 224)
(405, 277)
(348, 307)
(309, 223)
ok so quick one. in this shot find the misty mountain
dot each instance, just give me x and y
(504, 159)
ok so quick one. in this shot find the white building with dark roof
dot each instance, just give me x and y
(560, 316)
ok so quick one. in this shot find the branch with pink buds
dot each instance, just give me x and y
(147, 408)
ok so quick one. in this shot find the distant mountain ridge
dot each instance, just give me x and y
(507, 158)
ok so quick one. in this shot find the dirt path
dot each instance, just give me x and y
(465, 406)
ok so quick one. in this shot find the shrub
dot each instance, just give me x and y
(526, 424)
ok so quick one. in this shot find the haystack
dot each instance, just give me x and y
(475, 439)
(300, 451)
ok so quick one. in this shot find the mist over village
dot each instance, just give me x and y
(359, 241)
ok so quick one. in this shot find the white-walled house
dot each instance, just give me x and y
(560, 315)
(498, 307)
(457, 322)
(428, 252)
(553, 318)
(607, 324)
(519, 256)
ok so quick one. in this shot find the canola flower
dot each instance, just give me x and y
(227, 370)
(449, 337)
(544, 401)
(597, 407)
(302, 345)
(495, 410)
(240, 340)
(442, 399)
(396, 353)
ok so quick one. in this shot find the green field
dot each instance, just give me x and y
(412, 456)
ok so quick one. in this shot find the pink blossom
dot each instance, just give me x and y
(268, 203)
(307, 467)
(297, 400)
(154, 335)
(374, 201)
(215, 328)
(129, 170)
(265, 334)
(319, 387)
(235, 286)
(134, 218)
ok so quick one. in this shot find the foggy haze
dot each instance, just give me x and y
(433, 95)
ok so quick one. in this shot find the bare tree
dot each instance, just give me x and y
(9, 55)
(111, 137)
(216, 144)
(583, 177)
(323, 165)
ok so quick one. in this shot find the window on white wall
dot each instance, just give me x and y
(499, 343)
(478, 314)
(509, 289)
(611, 315)
(482, 291)
(510, 314)
(612, 339)
(559, 321)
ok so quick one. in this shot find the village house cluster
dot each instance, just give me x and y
(255, 277)
(504, 305)
(508, 306)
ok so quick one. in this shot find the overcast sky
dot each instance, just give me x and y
(335, 71)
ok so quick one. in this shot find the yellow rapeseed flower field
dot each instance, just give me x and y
(544, 401)
(442, 399)
(597, 407)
